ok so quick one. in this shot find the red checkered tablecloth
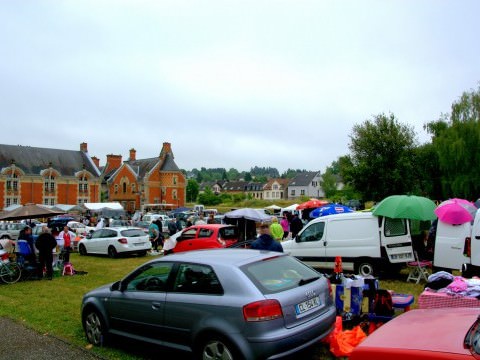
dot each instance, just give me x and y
(430, 299)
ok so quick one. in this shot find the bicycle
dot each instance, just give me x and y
(10, 271)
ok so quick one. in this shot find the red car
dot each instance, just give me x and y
(447, 333)
(208, 236)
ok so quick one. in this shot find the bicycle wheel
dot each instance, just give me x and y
(10, 272)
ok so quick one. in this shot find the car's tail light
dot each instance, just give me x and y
(467, 248)
(262, 310)
(123, 241)
(330, 291)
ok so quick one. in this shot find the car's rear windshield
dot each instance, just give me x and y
(279, 273)
(132, 232)
(229, 233)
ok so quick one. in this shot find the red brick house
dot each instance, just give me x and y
(137, 182)
(47, 176)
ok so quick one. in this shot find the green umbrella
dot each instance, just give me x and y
(406, 207)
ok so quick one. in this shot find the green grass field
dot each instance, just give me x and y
(53, 307)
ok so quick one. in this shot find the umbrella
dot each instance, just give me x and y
(248, 214)
(29, 211)
(312, 204)
(456, 211)
(406, 207)
(330, 209)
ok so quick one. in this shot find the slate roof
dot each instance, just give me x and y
(303, 179)
(235, 186)
(32, 160)
(142, 166)
(169, 163)
(282, 182)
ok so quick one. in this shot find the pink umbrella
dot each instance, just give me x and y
(456, 211)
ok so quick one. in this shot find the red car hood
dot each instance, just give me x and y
(434, 330)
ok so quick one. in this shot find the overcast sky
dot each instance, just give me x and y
(229, 83)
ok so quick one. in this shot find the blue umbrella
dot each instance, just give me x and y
(330, 209)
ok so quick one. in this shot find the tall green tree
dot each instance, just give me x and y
(192, 190)
(329, 183)
(456, 140)
(382, 152)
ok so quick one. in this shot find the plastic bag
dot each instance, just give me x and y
(343, 342)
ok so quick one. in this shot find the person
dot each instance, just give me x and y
(168, 245)
(200, 221)
(276, 229)
(154, 233)
(26, 234)
(211, 219)
(161, 237)
(172, 227)
(100, 224)
(285, 224)
(265, 241)
(66, 237)
(189, 221)
(45, 244)
(295, 225)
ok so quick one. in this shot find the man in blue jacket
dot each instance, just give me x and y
(265, 241)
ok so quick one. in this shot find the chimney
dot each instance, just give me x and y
(96, 161)
(133, 153)
(113, 162)
(84, 147)
(166, 149)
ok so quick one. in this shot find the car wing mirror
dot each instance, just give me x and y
(116, 286)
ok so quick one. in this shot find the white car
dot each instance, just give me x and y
(115, 241)
(79, 228)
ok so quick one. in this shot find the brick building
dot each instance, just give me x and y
(137, 182)
(47, 176)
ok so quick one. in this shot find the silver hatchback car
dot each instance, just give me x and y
(219, 304)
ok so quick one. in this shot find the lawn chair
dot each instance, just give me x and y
(418, 269)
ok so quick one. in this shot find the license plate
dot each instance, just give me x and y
(139, 244)
(307, 305)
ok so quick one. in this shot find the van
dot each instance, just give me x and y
(457, 247)
(366, 243)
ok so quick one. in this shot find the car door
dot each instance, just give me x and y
(310, 245)
(138, 307)
(109, 237)
(93, 243)
(186, 239)
(196, 294)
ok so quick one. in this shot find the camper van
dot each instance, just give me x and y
(366, 243)
(457, 247)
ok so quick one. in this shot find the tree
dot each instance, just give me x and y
(248, 177)
(382, 157)
(456, 140)
(233, 174)
(192, 190)
(329, 183)
(209, 198)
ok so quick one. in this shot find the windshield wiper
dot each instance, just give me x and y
(309, 280)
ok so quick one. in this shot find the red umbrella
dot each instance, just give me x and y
(312, 204)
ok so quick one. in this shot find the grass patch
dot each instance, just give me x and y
(53, 307)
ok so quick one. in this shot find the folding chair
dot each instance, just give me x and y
(418, 269)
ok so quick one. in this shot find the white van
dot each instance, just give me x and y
(457, 247)
(365, 242)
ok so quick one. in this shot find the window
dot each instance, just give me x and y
(174, 180)
(151, 277)
(205, 233)
(279, 274)
(302, 192)
(174, 194)
(115, 187)
(275, 187)
(49, 184)
(395, 227)
(292, 193)
(314, 232)
(133, 188)
(124, 188)
(198, 279)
